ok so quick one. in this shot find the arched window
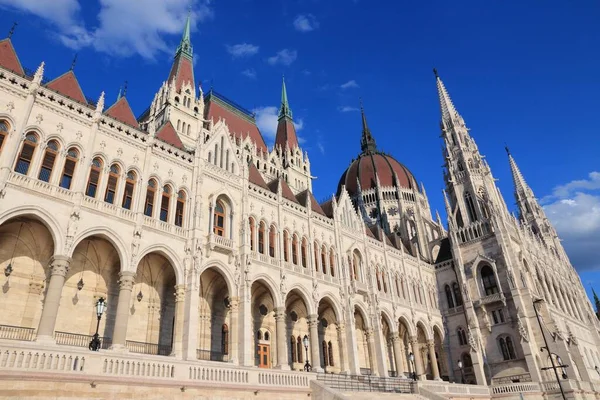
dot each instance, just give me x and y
(259, 335)
(48, 161)
(150, 195)
(383, 281)
(356, 265)
(272, 238)
(457, 294)
(129, 189)
(470, 207)
(261, 238)
(3, 132)
(178, 124)
(489, 280)
(69, 168)
(507, 348)
(293, 349)
(332, 262)
(462, 336)
(398, 286)
(225, 339)
(111, 186)
(304, 252)
(219, 219)
(286, 243)
(325, 353)
(330, 352)
(94, 178)
(467, 361)
(164, 203)
(378, 279)
(26, 154)
(324, 259)
(267, 336)
(179, 208)
(316, 251)
(252, 234)
(449, 298)
(299, 348)
(295, 250)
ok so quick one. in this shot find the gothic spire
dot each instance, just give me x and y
(185, 46)
(284, 111)
(449, 113)
(521, 187)
(182, 70)
(367, 141)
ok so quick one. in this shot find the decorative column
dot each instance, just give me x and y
(313, 323)
(234, 307)
(126, 282)
(179, 317)
(373, 364)
(341, 330)
(191, 312)
(398, 354)
(282, 348)
(418, 361)
(433, 357)
(59, 266)
(247, 349)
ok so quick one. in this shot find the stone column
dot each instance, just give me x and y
(59, 266)
(418, 367)
(341, 330)
(398, 354)
(380, 346)
(282, 348)
(234, 307)
(313, 323)
(433, 357)
(126, 282)
(191, 314)
(247, 349)
(179, 317)
(373, 354)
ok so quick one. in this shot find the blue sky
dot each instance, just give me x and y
(520, 74)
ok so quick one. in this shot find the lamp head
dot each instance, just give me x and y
(305, 341)
(8, 270)
(411, 357)
(100, 306)
(80, 284)
(140, 296)
(460, 364)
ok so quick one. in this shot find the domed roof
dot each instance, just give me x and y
(372, 164)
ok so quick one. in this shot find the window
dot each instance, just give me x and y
(332, 262)
(304, 252)
(129, 188)
(295, 250)
(66, 179)
(457, 295)
(324, 260)
(507, 348)
(330, 352)
(325, 353)
(179, 208)
(462, 336)
(398, 287)
(225, 339)
(3, 132)
(293, 349)
(252, 234)
(261, 238)
(316, 248)
(164, 203)
(219, 219)
(385, 289)
(26, 154)
(470, 207)
(150, 195)
(489, 280)
(449, 298)
(498, 316)
(48, 161)
(272, 237)
(111, 186)
(286, 243)
(299, 348)
(94, 178)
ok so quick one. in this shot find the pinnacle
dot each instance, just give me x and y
(367, 141)
(284, 110)
(447, 107)
(521, 186)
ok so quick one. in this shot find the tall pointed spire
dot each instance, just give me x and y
(284, 110)
(521, 187)
(182, 70)
(449, 113)
(185, 46)
(367, 141)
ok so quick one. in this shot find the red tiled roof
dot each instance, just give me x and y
(286, 134)
(370, 232)
(255, 177)
(182, 71)
(327, 208)
(121, 111)
(286, 192)
(8, 57)
(239, 125)
(68, 86)
(303, 200)
(167, 134)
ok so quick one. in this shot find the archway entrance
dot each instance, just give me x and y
(263, 324)
(329, 337)
(297, 328)
(215, 317)
(363, 348)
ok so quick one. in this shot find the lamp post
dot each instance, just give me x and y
(411, 358)
(597, 369)
(537, 315)
(462, 372)
(307, 366)
(95, 343)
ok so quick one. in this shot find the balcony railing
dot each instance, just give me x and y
(219, 241)
(79, 340)
(492, 298)
(149, 348)
(16, 333)
(209, 355)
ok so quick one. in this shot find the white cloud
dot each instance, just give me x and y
(574, 210)
(283, 57)
(266, 119)
(242, 50)
(349, 85)
(249, 73)
(347, 109)
(306, 23)
(124, 28)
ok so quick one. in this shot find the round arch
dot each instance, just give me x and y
(43, 217)
(36, 129)
(110, 236)
(386, 316)
(10, 119)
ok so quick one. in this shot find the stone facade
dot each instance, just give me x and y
(210, 248)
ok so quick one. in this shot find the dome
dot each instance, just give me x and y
(365, 168)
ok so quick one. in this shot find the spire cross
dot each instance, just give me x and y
(74, 62)
(12, 29)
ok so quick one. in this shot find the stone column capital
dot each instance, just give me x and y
(179, 293)
(413, 340)
(395, 336)
(234, 304)
(126, 280)
(313, 320)
(59, 265)
(279, 313)
(430, 343)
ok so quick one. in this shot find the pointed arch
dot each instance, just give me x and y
(169, 255)
(44, 217)
(111, 236)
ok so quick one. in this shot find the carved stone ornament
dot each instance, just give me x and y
(10, 106)
(79, 135)
(39, 118)
(283, 286)
(521, 327)
(119, 152)
(472, 341)
(184, 179)
(102, 145)
(170, 172)
(59, 127)
(136, 159)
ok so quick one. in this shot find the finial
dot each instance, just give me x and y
(39, 73)
(507, 149)
(100, 103)
(435, 73)
(125, 89)
(73, 62)
(12, 29)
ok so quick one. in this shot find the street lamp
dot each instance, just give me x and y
(307, 366)
(95, 343)
(411, 358)
(537, 315)
(462, 372)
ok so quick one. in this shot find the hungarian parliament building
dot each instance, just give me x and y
(175, 255)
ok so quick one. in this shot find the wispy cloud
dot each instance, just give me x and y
(242, 50)
(249, 73)
(347, 109)
(349, 85)
(124, 28)
(266, 119)
(283, 57)
(306, 23)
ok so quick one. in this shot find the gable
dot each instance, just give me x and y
(68, 85)
(121, 111)
(167, 134)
